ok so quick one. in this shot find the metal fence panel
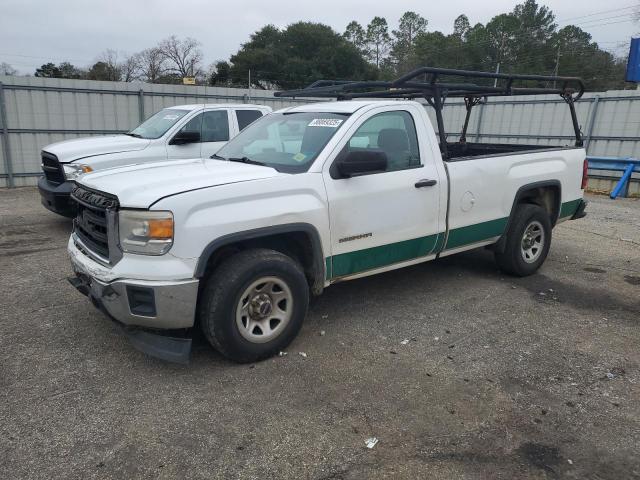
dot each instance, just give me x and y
(40, 111)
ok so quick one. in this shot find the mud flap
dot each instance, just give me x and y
(580, 213)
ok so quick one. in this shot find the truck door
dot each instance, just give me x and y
(186, 150)
(390, 218)
(215, 131)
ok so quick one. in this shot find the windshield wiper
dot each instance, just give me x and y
(217, 157)
(245, 160)
(136, 135)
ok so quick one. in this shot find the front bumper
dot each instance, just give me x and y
(57, 198)
(158, 304)
(149, 310)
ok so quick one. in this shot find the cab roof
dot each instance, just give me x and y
(349, 106)
(196, 106)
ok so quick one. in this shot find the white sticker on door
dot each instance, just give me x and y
(325, 122)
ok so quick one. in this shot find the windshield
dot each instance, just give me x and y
(288, 142)
(157, 125)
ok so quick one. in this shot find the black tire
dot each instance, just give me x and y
(222, 293)
(512, 260)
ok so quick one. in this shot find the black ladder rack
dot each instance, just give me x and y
(428, 83)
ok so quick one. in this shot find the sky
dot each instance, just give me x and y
(33, 32)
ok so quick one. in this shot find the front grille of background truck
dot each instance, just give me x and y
(52, 168)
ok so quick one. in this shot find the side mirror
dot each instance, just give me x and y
(359, 162)
(185, 136)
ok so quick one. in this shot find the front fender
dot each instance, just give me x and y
(208, 218)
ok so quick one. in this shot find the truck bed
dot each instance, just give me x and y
(464, 151)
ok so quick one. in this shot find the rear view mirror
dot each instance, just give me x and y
(185, 136)
(359, 162)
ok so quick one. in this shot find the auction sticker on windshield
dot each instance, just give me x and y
(325, 122)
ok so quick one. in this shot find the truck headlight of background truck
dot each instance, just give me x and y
(73, 171)
(145, 232)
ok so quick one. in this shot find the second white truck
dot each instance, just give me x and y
(307, 197)
(182, 131)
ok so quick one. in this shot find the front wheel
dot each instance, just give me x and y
(528, 241)
(254, 304)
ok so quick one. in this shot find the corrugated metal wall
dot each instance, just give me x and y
(610, 121)
(40, 111)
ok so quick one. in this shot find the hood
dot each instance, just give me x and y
(71, 150)
(139, 186)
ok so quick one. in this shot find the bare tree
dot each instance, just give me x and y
(130, 67)
(106, 67)
(152, 64)
(110, 58)
(183, 56)
(6, 69)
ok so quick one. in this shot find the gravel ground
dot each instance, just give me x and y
(500, 377)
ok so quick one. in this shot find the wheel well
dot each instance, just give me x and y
(296, 244)
(547, 197)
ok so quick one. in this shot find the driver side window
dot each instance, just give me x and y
(393, 133)
(193, 125)
(215, 126)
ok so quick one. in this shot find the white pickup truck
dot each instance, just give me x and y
(304, 198)
(183, 131)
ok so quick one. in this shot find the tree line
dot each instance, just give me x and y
(525, 40)
(169, 61)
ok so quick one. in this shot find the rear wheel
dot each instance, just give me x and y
(528, 241)
(253, 305)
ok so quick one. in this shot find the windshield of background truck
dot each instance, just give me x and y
(288, 142)
(158, 124)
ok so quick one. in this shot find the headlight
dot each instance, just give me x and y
(145, 232)
(73, 170)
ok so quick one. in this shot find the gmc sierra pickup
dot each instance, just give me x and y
(307, 197)
(183, 131)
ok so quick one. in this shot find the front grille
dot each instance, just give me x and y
(52, 169)
(91, 224)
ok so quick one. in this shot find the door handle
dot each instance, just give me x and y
(426, 183)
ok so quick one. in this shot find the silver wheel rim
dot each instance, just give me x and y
(532, 242)
(264, 309)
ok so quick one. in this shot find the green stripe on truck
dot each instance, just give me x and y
(376, 257)
(381, 256)
(459, 237)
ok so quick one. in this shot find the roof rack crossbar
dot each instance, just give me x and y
(428, 83)
(405, 85)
